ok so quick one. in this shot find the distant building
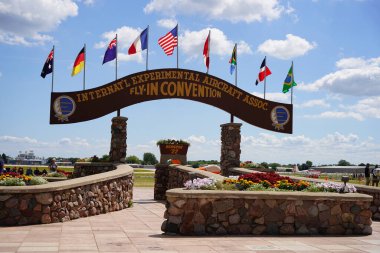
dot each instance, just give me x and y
(341, 169)
(27, 158)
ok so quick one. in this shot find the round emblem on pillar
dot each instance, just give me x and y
(280, 116)
(64, 107)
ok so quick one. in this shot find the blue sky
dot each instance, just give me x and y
(335, 46)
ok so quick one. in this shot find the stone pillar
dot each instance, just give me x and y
(118, 149)
(161, 177)
(230, 150)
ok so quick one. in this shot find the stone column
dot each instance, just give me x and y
(230, 150)
(118, 149)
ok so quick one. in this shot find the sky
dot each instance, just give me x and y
(334, 44)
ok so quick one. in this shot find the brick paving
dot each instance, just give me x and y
(138, 229)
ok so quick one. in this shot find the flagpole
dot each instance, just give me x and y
(236, 69)
(84, 68)
(291, 92)
(177, 44)
(118, 110)
(52, 74)
(265, 76)
(147, 48)
(208, 50)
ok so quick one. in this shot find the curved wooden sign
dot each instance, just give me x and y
(72, 107)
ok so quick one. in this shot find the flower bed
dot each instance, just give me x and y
(265, 182)
(15, 179)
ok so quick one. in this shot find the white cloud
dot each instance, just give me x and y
(167, 23)
(234, 11)
(196, 139)
(319, 150)
(274, 96)
(355, 77)
(193, 41)
(336, 115)
(14, 139)
(314, 103)
(126, 36)
(292, 47)
(25, 22)
(368, 107)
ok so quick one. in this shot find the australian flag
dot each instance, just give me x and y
(111, 51)
(48, 66)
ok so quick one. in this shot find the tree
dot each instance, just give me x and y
(149, 158)
(132, 159)
(274, 165)
(309, 163)
(105, 158)
(343, 163)
(265, 165)
(4, 157)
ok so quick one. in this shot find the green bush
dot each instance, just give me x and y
(12, 181)
(37, 181)
(55, 174)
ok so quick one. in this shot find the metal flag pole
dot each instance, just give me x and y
(84, 67)
(265, 76)
(208, 50)
(177, 45)
(52, 73)
(291, 92)
(147, 48)
(118, 110)
(236, 69)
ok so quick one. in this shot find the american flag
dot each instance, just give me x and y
(169, 41)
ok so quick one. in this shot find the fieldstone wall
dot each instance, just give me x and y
(174, 176)
(86, 169)
(160, 181)
(93, 195)
(230, 149)
(255, 213)
(369, 190)
(118, 149)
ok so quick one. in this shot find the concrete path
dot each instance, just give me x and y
(138, 229)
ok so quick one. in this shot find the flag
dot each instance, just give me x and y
(111, 51)
(264, 72)
(206, 51)
(289, 81)
(140, 43)
(233, 60)
(79, 63)
(169, 41)
(48, 66)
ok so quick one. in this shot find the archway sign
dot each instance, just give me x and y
(78, 106)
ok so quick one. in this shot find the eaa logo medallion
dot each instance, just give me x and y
(64, 107)
(280, 117)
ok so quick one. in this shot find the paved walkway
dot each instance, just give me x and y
(137, 229)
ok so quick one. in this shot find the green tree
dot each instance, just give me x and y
(343, 163)
(149, 159)
(105, 158)
(132, 159)
(309, 163)
(274, 165)
(5, 158)
(265, 165)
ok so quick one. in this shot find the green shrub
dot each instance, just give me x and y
(55, 174)
(37, 181)
(12, 181)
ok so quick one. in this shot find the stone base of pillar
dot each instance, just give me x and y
(161, 181)
(118, 149)
(230, 149)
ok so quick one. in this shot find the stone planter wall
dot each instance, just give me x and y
(86, 169)
(369, 190)
(197, 212)
(67, 200)
(174, 176)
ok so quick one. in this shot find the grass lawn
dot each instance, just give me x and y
(143, 178)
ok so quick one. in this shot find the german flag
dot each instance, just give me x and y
(79, 62)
